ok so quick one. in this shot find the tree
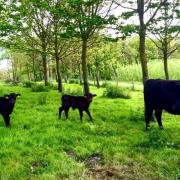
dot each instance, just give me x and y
(36, 27)
(87, 18)
(165, 30)
(143, 8)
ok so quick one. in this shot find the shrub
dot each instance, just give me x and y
(75, 91)
(28, 84)
(52, 86)
(39, 88)
(15, 83)
(8, 81)
(104, 84)
(73, 81)
(116, 92)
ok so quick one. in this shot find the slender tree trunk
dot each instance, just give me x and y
(56, 54)
(65, 79)
(34, 69)
(80, 74)
(94, 78)
(28, 73)
(20, 72)
(97, 78)
(44, 59)
(14, 73)
(143, 56)
(84, 66)
(165, 58)
(142, 39)
(59, 79)
(45, 69)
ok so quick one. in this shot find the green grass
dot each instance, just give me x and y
(38, 143)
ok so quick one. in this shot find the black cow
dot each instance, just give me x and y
(76, 102)
(161, 95)
(6, 106)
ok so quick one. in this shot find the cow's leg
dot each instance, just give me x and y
(6, 120)
(81, 114)
(60, 111)
(88, 113)
(148, 116)
(66, 112)
(158, 114)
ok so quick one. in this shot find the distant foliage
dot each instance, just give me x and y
(39, 88)
(73, 81)
(116, 92)
(28, 84)
(75, 91)
(52, 86)
(8, 81)
(156, 70)
(104, 84)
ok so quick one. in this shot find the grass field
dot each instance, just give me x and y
(116, 146)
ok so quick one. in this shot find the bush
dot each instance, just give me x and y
(75, 92)
(28, 84)
(104, 84)
(52, 86)
(8, 81)
(73, 81)
(39, 88)
(116, 92)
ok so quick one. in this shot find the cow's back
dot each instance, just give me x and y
(161, 93)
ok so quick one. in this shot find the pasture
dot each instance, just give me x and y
(116, 146)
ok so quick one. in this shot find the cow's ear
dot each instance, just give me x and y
(18, 95)
(94, 95)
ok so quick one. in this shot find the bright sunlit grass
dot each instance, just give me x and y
(39, 145)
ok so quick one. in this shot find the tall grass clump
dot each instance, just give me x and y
(116, 92)
(39, 88)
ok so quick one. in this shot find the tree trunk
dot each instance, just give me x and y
(84, 66)
(80, 75)
(45, 69)
(59, 79)
(143, 56)
(28, 73)
(142, 39)
(34, 70)
(97, 78)
(165, 58)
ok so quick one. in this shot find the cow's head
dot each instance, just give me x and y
(89, 97)
(12, 97)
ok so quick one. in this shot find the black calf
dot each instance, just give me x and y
(76, 102)
(7, 105)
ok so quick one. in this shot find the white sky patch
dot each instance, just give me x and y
(4, 65)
